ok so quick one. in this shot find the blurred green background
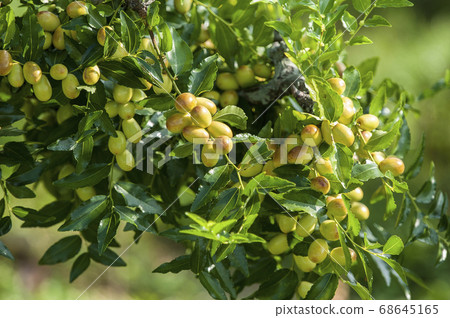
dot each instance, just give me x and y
(414, 52)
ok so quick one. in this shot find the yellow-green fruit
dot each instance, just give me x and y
(76, 9)
(146, 44)
(58, 72)
(300, 155)
(320, 184)
(323, 166)
(166, 86)
(227, 82)
(318, 251)
(378, 156)
(112, 108)
(132, 130)
(250, 170)
(64, 112)
(303, 288)
(337, 209)
(138, 95)
(212, 95)
(125, 160)
(332, 197)
(392, 164)
(204, 34)
(366, 135)
(122, 94)
(337, 84)
(42, 89)
(329, 230)
(73, 35)
(268, 168)
(368, 122)
(91, 75)
(127, 111)
(337, 255)
(31, 72)
(48, 21)
(195, 134)
(6, 62)
(209, 156)
(262, 70)
(119, 52)
(15, 76)
(117, 144)
(185, 102)
(223, 145)
(186, 196)
(304, 263)
(360, 210)
(311, 135)
(228, 98)
(101, 34)
(85, 193)
(58, 39)
(292, 141)
(348, 111)
(278, 244)
(355, 195)
(326, 130)
(70, 86)
(245, 76)
(286, 222)
(48, 40)
(217, 129)
(343, 135)
(176, 123)
(306, 225)
(209, 104)
(183, 6)
(201, 116)
(65, 171)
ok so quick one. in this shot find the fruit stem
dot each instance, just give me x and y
(237, 171)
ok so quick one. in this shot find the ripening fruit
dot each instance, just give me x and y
(392, 164)
(118, 144)
(85, 193)
(306, 225)
(119, 52)
(303, 288)
(262, 70)
(215, 95)
(91, 75)
(318, 251)
(177, 122)
(368, 122)
(366, 135)
(330, 198)
(217, 129)
(65, 171)
(101, 34)
(245, 76)
(64, 112)
(146, 44)
(300, 155)
(228, 98)
(132, 130)
(278, 244)
(127, 111)
(209, 156)
(286, 222)
(226, 82)
(337, 255)
(186, 196)
(48, 40)
(209, 104)
(311, 135)
(343, 135)
(42, 89)
(360, 210)
(112, 109)
(185, 102)
(6, 62)
(337, 209)
(323, 166)
(125, 160)
(204, 34)
(122, 94)
(337, 84)
(15, 76)
(76, 9)
(304, 263)
(292, 141)
(355, 195)
(58, 72)
(183, 6)
(31, 72)
(58, 39)
(223, 145)
(326, 130)
(348, 111)
(69, 86)
(48, 21)
(378, 156)
(138, 95)
(250, 170)
(201, 116)
(166, 86)
(195, 134)
(329, 230)
(320, 184)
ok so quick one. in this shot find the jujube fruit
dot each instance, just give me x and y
(65, 171)
(278, 244)
(348, 111)
(250, 170)
(15, 76)
(70, 86)
(320, 184)
(101, 34)
(392, 164)
(212, 95)
(112, 108)
(132, 130)
(183, 6)
(304, 263)
(64, 112)
(85, 193)
(48, 40)
(228, 98)
(177, 122)
(337, 209)
(209, 104)
(185, 102)
(300, 155)
(226, 82)
(286, 223)
(355, 195)
(48, 20)
(343, 135)
(119, 52)
(311, 135)
(323, 166)
(218, 128)
(292, 141)
(195, 134)
(58, 72)
(366, 135)
(201, 116)
(42, 89)
(360, 210)
(262, 70)
(209, 156)
(76, 9)
(268, 168)
(32, 72)
(125, 160)
(337, 255)
(318, 251)
(127, 110)
(245, 76)
(337, 84)
(306, 225)
(6, 62)
(303, 289)
(58, 38)
(117, 145)
(91, 75)
(326, 130)
(329, 230)
(378, 156)
(223, 145)
(122, 94)
(138, 95)
(368, 122)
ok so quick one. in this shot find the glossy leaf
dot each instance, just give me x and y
(62, 250)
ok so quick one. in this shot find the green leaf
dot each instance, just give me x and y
(283, 28)
(279, 285)
(257, 153)
(136, 196)
(324, 288)
(383, 139)
(225, 41)
(166, 40)
(226, 202)
(395, 266)
(107, 231)
(349, 22)
(330, 103)
(393, 246)
(21, 192)
(390, 203)
(83, 153)
(2, 206)
(378, 101)
(32, 36)
(142, 221)
(108, 258)
(352, 80)
(63, 144)
(361, 5)
(118, 71)
(83, 215)
(180, 56)
(130, 34)
(360, 290)
(232, 115)
(343, 163)
(377, 21)
(5, 225)
(202, 78)
(7, 25)
(62, 250)
(360, 40)
(353, 224)
(79, 266)
(89, 177)
(212, 285)
(394, 3)
(300, 200)
(4, 251)
(151, 72)
(365, 172)
(177, 265)
(183, 151)
(414, 166)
